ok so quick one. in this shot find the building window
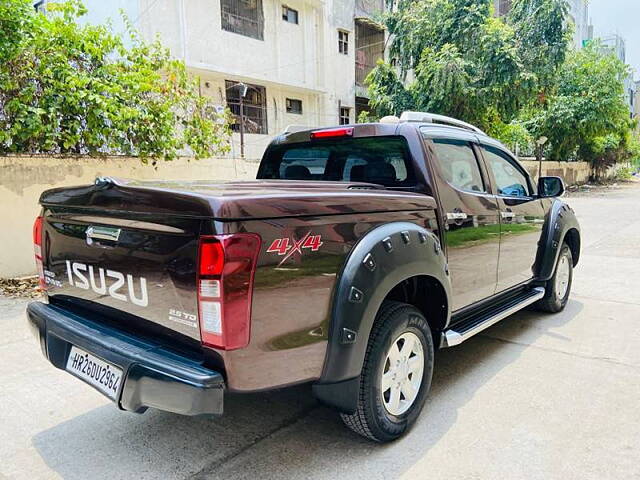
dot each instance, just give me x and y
(244, 17)
(343, 42)
(294, 106)
(254, 106)
(362, 105)
(289, 14)
(40, 6)
(345, 116)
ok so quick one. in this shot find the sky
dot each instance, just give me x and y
(622, 17)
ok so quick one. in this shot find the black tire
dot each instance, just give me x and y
(372, 419)
(552, 302)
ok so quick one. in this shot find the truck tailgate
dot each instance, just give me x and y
(139, 270)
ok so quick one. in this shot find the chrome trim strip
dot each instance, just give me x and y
(121, 222)
(451, 338)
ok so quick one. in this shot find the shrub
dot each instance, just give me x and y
(72, 89)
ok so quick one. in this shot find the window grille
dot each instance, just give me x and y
(244, 17)
(369, 49)
(254, 106)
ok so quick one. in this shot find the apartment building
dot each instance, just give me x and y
(617, 45)
(578, 16)
(283, 62)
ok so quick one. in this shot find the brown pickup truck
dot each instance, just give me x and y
(356, 253)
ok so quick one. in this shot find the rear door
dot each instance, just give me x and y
(470, 218)
(521, 217)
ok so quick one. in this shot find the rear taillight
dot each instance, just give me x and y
(37, 246)
(226, 267)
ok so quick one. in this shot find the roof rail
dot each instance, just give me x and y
(435, 118)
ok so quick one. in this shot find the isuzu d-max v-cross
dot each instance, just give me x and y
(356, 252)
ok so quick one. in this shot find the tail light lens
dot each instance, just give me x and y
(37, 247)
(225, 285)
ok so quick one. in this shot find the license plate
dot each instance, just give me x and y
(102, 375)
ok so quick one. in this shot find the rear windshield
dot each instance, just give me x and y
(381, 160)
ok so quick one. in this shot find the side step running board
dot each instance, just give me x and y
(461, 332)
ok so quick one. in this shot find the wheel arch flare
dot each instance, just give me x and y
(384, 258)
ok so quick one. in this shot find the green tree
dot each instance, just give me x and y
(542, 39)
(464, 62)
(587, 116)
(72, 89)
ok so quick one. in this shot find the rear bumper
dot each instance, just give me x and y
(152, 376)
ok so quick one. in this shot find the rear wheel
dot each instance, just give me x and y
(558, 288)
(396, 375)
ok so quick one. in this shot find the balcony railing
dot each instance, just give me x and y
(369, 49)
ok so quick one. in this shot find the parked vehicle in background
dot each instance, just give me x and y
(356, 253)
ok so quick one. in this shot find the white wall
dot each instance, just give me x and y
(298, 61)
(339, 72)
(278, 119)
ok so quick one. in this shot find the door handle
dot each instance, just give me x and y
(507, 215)
(456, 216)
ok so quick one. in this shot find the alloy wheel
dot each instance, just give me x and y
(402, 373)
(563, 274)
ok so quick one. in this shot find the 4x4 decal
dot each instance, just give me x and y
(288, 246)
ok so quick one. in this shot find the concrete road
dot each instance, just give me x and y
(536, 396)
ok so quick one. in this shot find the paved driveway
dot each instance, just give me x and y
(536, 396)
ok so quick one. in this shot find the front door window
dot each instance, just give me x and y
(510, 181)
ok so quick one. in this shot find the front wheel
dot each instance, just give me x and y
(558, 288)
(396, 375)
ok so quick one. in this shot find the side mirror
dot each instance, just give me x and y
(550, 187)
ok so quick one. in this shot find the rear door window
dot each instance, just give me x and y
(381, 160)
(303, 164)
(459, 165)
